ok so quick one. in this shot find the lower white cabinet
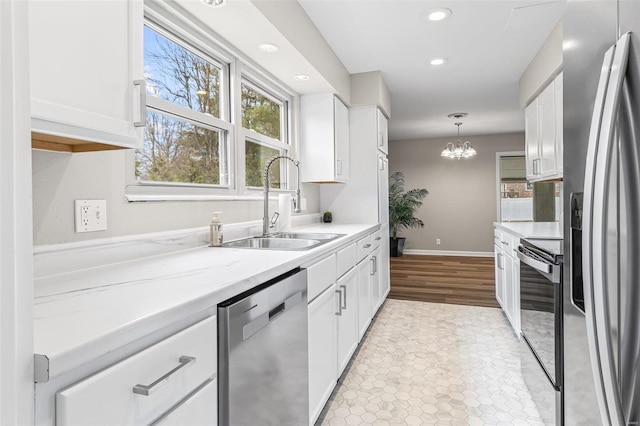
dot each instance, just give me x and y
(323, 350)
(364, 269)
(507, 269)
(200, 408)
(374, 279)
(385, 270)
(347, 318)
(147, 386)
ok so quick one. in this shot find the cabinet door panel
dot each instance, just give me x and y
(383, 132)
(499, 266)
(322, 350)
(547, 129)
(532, 139)
(82, 67)
(341, 140)
(348, 319)
(558, 102)
(364, 296)
(376, 292)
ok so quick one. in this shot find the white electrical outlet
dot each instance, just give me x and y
(437, 241)
(91, 215)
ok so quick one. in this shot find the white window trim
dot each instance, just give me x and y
(167, 20)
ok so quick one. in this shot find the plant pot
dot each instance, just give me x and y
(396, 246)
(327, 217)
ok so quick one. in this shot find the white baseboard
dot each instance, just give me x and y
(449, 253)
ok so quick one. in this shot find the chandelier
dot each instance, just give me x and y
(459, 149)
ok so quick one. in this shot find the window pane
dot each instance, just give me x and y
(260, 113)
(177, 75)
(256, 158)
(178, 151)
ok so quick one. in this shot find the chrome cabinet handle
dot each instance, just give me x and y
(146, 390)
(142, 86)
(505, 242)
(366, 246)
(339, 162)
(339, 313)
(378, 238)
(344, 287)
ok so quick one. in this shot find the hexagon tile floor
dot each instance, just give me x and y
(433, 364)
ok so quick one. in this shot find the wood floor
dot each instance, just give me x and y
(444, 279)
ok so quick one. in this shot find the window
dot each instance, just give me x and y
(264, 120)
(186, 139)
(212, 122)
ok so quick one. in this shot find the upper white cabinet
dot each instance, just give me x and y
(543, 134)
(324, 136)
(85, 59)
(383, 132)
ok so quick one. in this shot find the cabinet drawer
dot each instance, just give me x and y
(364, 247)
(346, 259)
(320, 275)
(108, 397)
(375, 239)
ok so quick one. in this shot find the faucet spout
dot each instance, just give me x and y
(297, 209)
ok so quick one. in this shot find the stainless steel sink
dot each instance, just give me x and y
(308, 235)
(284, 241)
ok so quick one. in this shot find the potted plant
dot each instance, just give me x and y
(327, 217)
(402, 206)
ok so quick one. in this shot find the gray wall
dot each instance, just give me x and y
(461, 205)
(59, 179)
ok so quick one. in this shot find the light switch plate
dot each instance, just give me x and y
(91, 215)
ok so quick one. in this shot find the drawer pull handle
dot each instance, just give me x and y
(378, 238)
(367, 246)
(146, 390)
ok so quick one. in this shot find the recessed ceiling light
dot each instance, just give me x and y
(268, 48)
(215, 3)
(438, 61)
(437, 14)
(569, 44)
(302, 77)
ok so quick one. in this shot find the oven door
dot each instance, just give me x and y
(541, 311)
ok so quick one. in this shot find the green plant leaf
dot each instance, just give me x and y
(403, 204)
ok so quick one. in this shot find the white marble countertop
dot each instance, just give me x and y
(83, 315)
(541, 230)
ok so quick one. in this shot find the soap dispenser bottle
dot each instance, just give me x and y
(215, 230)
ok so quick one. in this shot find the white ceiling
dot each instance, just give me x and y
(488, 45)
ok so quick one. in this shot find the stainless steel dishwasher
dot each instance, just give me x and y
(262, 355)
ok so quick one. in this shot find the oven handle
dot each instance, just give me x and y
(535, 264)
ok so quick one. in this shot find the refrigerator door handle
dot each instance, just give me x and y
(602, 143)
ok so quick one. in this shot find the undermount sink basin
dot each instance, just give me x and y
(284, 241)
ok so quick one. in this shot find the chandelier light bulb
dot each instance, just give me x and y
(459, 149)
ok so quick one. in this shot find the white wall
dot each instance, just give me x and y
(59, 179)
(461, 205)
(543, 67)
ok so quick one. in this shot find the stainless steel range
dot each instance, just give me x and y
(541, 324)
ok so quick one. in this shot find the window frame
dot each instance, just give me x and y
(237, 69)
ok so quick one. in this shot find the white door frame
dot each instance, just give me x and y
(499, 155)
(16, 228)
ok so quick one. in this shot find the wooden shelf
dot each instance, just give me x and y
(62, 144)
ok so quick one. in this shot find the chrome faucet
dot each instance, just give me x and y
(266, 222)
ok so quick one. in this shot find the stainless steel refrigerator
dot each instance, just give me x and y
(601, 304)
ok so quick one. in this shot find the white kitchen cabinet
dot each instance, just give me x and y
(145, 386)
(376, 291)
(347, 285)
(199, 409)
(85, 60)
(364, 270)
(507, 270)
(324, 135)
(383, 132)
(543, 134)
(367, 187)
(323, 360)
(559, 117)
(385, 270)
